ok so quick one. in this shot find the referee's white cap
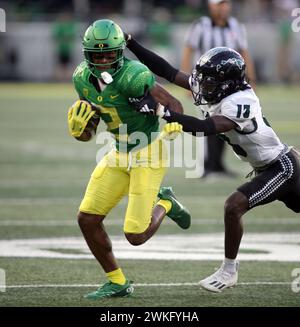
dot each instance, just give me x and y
(218, 1)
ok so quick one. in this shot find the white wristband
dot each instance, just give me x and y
(160, 111)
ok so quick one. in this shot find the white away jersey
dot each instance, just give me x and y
(253, 141)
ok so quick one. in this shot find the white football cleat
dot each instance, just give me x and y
(220, 280)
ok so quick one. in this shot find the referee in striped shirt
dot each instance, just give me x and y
(219, 29)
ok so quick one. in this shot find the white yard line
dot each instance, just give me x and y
(195, 247)
(138, 285)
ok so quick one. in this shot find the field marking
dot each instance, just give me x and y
(114, 222)
(196, 247)
(139, 285)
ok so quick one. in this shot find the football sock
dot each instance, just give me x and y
(116, 276)
(230, 265)
(166, 204)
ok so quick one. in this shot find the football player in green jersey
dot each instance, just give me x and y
(105, 81)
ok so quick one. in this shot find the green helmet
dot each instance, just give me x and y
(104, 36)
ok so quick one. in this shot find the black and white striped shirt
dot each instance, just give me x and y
(204, 35)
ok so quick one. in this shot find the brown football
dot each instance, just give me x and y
(91, 127)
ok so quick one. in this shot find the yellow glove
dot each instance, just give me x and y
(171, 131)
(78, 117)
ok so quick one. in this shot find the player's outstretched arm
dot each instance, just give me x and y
(148, 102)
(210, 126)
(162, 96)
(157, 64)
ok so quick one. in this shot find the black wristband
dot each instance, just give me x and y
(156, 64)
(191, 124)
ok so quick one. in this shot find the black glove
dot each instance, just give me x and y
(145, 104)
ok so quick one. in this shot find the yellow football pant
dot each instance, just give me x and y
(119, 174)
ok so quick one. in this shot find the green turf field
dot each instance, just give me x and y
(42, 179)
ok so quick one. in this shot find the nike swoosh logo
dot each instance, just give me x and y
(114, 96)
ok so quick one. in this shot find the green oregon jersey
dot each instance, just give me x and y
(112, 102)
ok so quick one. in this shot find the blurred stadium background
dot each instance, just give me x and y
(29, 48)
(44, 172)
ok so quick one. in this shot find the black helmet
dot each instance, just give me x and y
(217, 74)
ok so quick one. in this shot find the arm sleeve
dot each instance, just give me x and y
(193, 124)
(154, 62)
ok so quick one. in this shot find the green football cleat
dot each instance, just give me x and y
(178, 212)
(110, 289)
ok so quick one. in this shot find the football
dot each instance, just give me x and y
(91, 127)
(94, 121)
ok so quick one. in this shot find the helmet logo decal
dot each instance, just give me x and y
(233, 61)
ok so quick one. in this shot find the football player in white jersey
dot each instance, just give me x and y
(232, 111)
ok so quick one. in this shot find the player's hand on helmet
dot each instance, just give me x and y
(171, 131)
(79, 115)
(145, 104)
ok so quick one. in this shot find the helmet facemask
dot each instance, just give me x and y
(207, 90)
(114, 62)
